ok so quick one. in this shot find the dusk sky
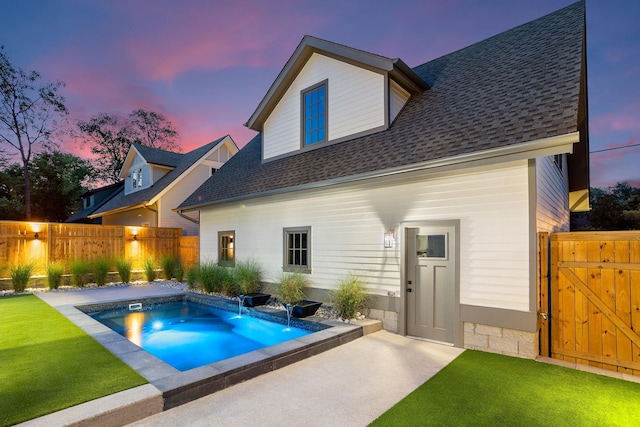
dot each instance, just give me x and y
(207, 64)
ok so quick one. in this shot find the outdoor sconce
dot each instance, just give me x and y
(389, 239)
(36, 236)
(135, 237)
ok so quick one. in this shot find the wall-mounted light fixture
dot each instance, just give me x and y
(36, 235)
(389, 239)
(135, 237)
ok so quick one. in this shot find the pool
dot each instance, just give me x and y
(188, 334)
(178, 386)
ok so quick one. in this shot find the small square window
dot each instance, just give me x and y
(226, 247)
(297, 249)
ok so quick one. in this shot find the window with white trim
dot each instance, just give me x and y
(297, 249)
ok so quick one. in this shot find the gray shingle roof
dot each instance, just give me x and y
(180, 162)
(518, 86)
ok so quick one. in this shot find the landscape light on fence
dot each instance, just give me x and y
(135, 237)
(36, 236)
(389, 239)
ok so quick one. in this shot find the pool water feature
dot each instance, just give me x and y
(187, 334)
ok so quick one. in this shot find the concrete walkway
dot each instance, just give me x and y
(350, 385)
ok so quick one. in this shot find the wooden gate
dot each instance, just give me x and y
(595, 299)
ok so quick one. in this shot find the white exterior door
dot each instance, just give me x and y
(431, 282)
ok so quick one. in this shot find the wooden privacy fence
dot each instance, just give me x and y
(595, 299)
(44, 243)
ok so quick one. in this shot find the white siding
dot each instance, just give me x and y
(348, 224)
(552, 211)
(355, 104)
(397, 98)
(176, 195)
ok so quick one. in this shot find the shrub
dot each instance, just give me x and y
(215, 278)
(20, 275)
(192, 277)
(349, 297)
(169, 264)
(79, 271)
(149, 268)
(124, 269)
(100, 270)
(293, 286)
(178, 272)
(246, 276)
(54, 275)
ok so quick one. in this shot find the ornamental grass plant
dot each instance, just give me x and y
(349, 297)
(101, 268)
(247, 276)
(55, 271)
(149, 268)
(124, 269)
(292, 286)
(79, 272)
(20, 275)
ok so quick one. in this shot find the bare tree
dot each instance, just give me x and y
(154, 130)
(28, 112)
(110, 136)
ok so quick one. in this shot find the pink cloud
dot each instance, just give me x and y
(210, 36)
(625, 118)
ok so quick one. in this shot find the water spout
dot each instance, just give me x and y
(288, 308)
(240, 303)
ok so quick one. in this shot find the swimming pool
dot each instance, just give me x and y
(188, 334)
(178, 387)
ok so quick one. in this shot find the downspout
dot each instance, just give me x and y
(196, 221)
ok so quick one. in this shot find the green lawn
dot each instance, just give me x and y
(484, 389)
(47, 363)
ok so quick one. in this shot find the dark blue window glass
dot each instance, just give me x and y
(314, 116)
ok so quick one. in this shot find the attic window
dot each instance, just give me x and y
(314, 114)
(136, 178)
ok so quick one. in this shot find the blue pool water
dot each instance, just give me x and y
(187, 335)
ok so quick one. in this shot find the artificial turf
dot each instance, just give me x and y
(47, 363)
(484, 389)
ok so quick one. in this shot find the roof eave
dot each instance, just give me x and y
(538, 148)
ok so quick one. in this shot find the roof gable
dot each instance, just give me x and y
(310, 45)
(517, 92)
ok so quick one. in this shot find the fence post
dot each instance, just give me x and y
(543, 292)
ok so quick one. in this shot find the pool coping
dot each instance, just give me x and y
(176, 387)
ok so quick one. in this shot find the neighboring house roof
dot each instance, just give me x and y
(181, 163)
(102, 196)
(513, 92)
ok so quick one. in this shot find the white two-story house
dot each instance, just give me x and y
(156, 181)
(430, 182)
